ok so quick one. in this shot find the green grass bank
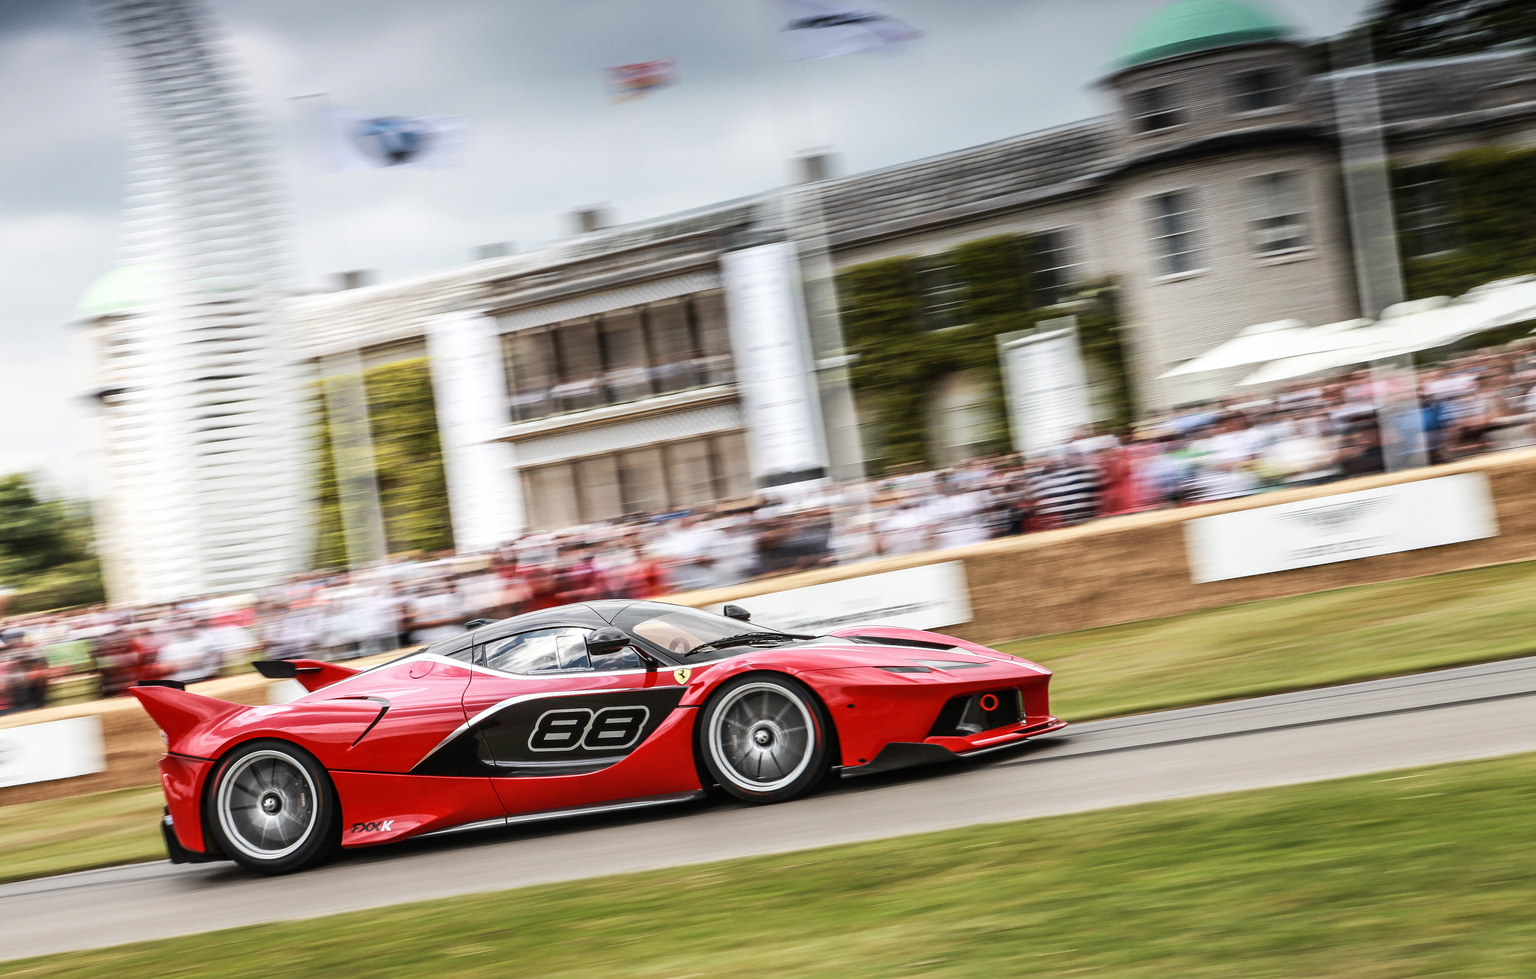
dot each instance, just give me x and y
(1427, 872)
(1282, 644)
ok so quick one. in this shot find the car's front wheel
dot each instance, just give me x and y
(765, 738)
(272, 808)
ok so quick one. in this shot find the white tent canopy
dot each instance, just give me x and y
(1409, 327)
(1254, 345)
(1272, 341)
(1287, 349)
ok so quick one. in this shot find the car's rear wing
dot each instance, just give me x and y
(177, 711)
(312, 673)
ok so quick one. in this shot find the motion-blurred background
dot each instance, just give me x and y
(330, 328)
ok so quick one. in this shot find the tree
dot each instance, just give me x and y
(32, 533)
(1406, 29)
(45, 549)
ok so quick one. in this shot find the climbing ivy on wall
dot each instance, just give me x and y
(1493, 202)
(413, 491)
(900, 360)
(1104, 350)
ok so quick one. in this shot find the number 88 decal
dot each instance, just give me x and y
(578, 727)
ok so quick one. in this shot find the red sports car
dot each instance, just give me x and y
(599, 706)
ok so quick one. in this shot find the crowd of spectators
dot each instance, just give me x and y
(1307, 434)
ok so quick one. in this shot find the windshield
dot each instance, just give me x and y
(680, 630)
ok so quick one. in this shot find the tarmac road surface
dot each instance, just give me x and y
(1452, 715)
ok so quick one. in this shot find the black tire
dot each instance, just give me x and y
(765, 738)
(272, 809)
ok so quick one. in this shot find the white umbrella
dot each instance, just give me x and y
(1254, 345)
(1273, 341)
(1412, 326)
(1367, 341)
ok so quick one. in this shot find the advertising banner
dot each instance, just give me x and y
(51, 750)
(485, 497)
(1046, 386)
(1426, 513)
(774, 369)
(928, 597)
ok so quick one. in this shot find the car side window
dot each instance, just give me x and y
(551, 650)
(624, 659)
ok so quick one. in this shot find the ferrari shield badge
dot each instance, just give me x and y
(681, 676)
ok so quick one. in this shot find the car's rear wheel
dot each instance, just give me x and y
(765, 738)
(272, 808)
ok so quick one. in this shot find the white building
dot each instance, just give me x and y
(621, 370)
(1209, 193)
(201, 423)
(598, 376)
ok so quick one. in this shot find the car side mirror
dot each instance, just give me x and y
(606, 641)
(736, 612)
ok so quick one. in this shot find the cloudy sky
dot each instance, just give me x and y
(543, 138)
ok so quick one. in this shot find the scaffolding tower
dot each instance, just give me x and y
(202, 427)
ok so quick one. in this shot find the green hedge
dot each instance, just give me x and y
(413, 490)
(900, 360)
(1493, 198)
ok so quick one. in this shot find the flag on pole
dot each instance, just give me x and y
(354, 141)
(630, 82)
(828, 28)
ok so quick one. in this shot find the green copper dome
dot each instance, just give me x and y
(1197, 25)
(122, 290)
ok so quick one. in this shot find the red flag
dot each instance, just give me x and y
(636, 81)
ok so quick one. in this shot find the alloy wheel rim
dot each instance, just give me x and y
(762, 737)
(266, 805)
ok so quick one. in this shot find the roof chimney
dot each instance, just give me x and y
(815, 167)
(497, 249)
(355, 279)
(589, 219)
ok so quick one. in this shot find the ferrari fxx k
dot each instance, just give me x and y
(599, 706)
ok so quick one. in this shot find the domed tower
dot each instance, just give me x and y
(1227, 197)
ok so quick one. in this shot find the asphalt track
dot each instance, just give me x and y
(1453, 715)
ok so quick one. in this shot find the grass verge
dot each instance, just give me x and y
(1429, 872)
(95, 830)
(1281, 644)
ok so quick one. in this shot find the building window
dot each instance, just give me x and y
(531, 372)
(1280, 224)
(1266, 88)
(1173, 232)
(617, 357)
(1426, 211)
(687, 473)
(944, 295)
(1153, 109)
(1052, 269)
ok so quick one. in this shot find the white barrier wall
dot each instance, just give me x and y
(930, 596)
(50, 750)
(1365, 523)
